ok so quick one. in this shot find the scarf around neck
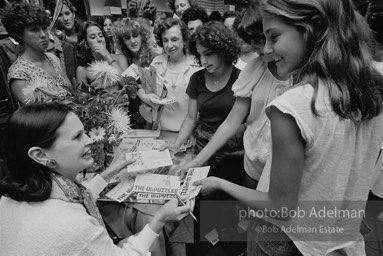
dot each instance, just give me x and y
(73, 192)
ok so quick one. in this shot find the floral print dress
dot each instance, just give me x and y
(41, 84)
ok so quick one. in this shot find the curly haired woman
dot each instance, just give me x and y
(211, 97)
(133, 40)
(36, 74)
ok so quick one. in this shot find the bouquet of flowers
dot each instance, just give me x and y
(103, 112)
(105, 118)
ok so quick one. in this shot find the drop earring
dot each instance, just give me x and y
(50, 163)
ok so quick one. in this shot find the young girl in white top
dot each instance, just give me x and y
(326, 132)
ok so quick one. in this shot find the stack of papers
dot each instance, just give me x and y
(157, 188)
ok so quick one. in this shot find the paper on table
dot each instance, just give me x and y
(142, 133)
(148, 160)
(192, 175)
(164, 101)
(136, 145)
(122, 191)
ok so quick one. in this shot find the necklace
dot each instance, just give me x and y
(173, 70)
(172, 81)
(221, 79)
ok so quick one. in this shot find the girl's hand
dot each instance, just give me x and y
(116, 166)
(100, 50)
(184, 169)
(209, 185)
(172, 148)
(165, 146)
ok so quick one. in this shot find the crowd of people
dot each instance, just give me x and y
(283, 101)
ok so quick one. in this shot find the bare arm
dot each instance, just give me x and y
(122, 61)
(188, 124)
(286, 169)
(224, 132)
(17, 86)
(81, 75)
(112, 59)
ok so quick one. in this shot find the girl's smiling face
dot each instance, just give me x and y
(285, 42)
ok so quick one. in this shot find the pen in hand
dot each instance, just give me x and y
(182, 202)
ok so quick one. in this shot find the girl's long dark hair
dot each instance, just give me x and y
(84, 53)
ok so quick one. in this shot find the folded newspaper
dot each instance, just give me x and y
(157, 188)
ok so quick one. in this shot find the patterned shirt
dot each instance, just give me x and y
(23, 69)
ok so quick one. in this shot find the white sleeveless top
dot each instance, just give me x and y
(339, 167)
(258, 83)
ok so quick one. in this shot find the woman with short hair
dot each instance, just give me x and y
(35, 70)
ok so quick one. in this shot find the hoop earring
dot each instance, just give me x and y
(50, 163)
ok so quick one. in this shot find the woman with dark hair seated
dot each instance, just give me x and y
(43, 209)
(36, 69)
